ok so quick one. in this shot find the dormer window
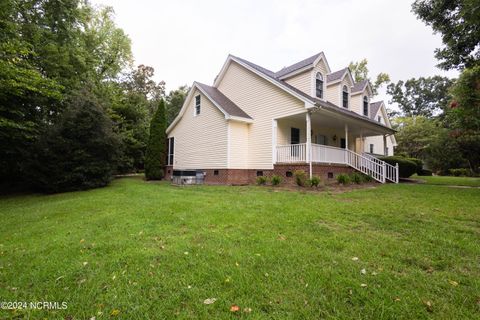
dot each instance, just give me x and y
(197, 105)
(379, 119)
(319, 85)
(345, 97)
(365, 106)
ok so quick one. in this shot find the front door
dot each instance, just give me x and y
(343, 143)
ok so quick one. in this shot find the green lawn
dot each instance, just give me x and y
(154, 251)
(447, 180)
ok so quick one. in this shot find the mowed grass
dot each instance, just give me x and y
(448, 180)
(138, 250)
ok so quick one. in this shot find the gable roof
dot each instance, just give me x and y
(219, 99)
(230, 110)
(337, 75)
(374, 107)
(299, 65)
(359, 86)
(315, 102)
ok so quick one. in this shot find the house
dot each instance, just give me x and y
(253, 122)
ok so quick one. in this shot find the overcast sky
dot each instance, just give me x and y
(187, 40)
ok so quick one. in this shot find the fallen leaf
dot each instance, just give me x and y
(282, 238)
(185, 253)
(453, 283)
(115, 312)
(236, 263)
(234, 308)
(82, 241)
(363, 285)
(247, 310)
(430, 270)
(189, 287)
(396, 299)
(428, 304)
(355, 258)
(363, 271)
(374, 273)
(209, 300)
(59, 278)
(85, 263)
(93, 318)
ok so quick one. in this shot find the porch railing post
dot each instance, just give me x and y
(397, 173)
(308, 152)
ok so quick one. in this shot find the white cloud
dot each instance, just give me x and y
(187, 40)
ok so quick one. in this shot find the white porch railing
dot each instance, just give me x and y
(391, 171)
(376, 168)
(292, 153)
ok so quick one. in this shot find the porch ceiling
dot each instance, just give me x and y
(326, 119)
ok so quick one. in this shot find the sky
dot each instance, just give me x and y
(188, 40)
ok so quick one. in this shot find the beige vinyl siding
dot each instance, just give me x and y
(333, 94)
(302, 81)
(377, 141)
(238, 155)
(200, 141)
(357, 103)
(263, 101)
(305, 81)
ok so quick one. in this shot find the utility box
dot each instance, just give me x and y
(186, 177)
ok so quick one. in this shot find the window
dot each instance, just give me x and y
(379, 119)
(365, 106)
(259, 173)
(386, 151)
(330, 175)
(197, 105)
(321, 139)
(345, 97)
(215, 172)
(343, 143)
(319, 85)
(171, 147)
(289, 174)
(371, 148)
(294, 136)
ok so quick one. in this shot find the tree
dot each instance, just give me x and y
(464, 116)
(79, 151)
(360, 72)
(421, 97)
(174, 102)
(458, 22)
(414, 135)
(156, 147)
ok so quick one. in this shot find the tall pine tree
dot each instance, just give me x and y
(156, 148)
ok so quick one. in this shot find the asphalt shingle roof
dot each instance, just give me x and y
(298, 65)
(374, 106)
(326, 104)
(359, 86)
(334, 76)
(225, 103)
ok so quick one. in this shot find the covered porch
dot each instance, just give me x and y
(325, 137)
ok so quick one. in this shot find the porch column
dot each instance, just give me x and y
(346, 136)
(362, 149)
(308, 150)
(274, 141)
(385, 145)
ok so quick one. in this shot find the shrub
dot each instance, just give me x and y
(425, 172)
(276, 180)
(343, 178)
(156, 154)
(406, 167)
(367, 178)
(356, 178)
(460, 172)
(79, 151)
(418, 162)
(261, 181)
(300, 177)
(314, 181)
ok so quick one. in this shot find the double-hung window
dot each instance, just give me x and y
(365, 106)
(171, 147)
(319, 85)
(197, 105)
(345, 97)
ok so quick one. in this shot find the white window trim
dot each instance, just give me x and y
(368, 107)
(341, 96)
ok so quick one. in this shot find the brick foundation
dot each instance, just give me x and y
(249, 176)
